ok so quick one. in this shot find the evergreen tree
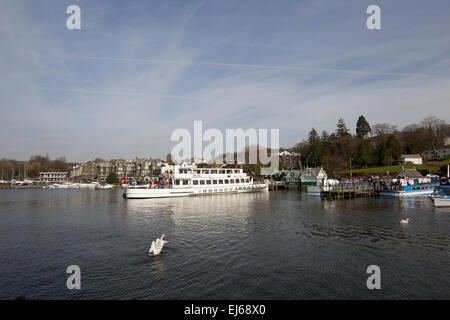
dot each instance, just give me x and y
(364, 155)
(313, 136)
(393, 145)
(362, 127)
(342, 130)
(112, 178)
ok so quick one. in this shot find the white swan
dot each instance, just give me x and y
(404, 221)
(157, 246)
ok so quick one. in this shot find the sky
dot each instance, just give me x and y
(138, 70)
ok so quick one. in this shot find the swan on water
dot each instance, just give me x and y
(157, 246)
(404, 221)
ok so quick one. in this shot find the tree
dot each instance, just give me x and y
(313, 136)
(169, 159)
(435, 128)
(392, 150)
(342, 130)
(362, 127)
(364, 155)
(112, 178)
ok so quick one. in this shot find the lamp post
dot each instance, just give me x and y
(350, 167)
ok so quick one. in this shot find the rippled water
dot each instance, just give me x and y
(277, 245)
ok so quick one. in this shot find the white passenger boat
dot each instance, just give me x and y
(190, 181)
(409, 187)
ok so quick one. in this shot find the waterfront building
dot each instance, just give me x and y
(313, 176)
(53, 177)
(138, 168)
(287, 176)
(156, 167)
(442, 152)
(119, 167)
(413, 158)
(104, 169)
(290, 160)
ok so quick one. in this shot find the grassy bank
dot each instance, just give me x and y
(394, 169)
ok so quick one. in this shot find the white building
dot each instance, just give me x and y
(413, 158)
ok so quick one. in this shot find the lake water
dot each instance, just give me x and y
(271, 245)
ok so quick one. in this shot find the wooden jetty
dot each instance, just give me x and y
(348, 191)
(281, 185)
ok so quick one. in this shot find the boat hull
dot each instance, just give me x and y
(441, 201)
(143, 193)
(425, 192)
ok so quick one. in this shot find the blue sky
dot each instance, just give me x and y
(137, 70)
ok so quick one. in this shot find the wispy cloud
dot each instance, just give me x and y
(135, 72)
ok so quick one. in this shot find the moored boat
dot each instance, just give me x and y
(190, 181)
(441, 195)
(409, 187)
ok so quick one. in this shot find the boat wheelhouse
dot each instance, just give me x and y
(190, 180)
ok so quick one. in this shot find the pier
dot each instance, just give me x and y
(281, 185)
(348, 191)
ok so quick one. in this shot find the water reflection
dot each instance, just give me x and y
(157, 266)
(274, 245)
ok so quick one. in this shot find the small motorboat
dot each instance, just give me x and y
(441, 196)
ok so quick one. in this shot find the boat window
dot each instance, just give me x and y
(222, 171)
(213, 171)
(177, 182)
(208, 181)
(242, 181)
(247, 180)
(226, 181)
(195, 182)
(228, 171)
(214, 181)
(202, 181)
(220, 181)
